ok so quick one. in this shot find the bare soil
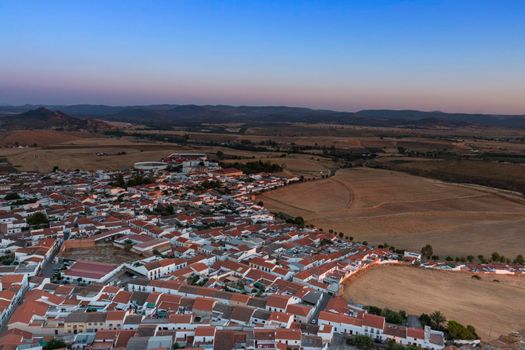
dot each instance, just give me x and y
(493, 308)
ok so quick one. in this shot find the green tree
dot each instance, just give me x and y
(7, 259)
(37, 219)
(362, 342)
(425, 319)
(299, 221)
(55, 344)
(456, 330)
(374, 310)
(394, 317)
(437, 319)
(11, 196)
(519, 260)
(427, 251)
(119, 181)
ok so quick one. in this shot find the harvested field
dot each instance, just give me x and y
(79, 151)
(408, 211)
(38, 137)
(494, 308)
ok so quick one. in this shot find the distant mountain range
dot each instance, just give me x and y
(43, 118)
(168, 115)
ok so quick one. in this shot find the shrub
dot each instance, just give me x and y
(456, 330)
(362, 342)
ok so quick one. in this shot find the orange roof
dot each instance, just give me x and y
(24, 313)
(417, 333)
(122, 297)
(299, 310)
(115, 315)
(205, 331)
(374, 321)
(280, 317)
(178, 318)
(8, 280)
(241, 298)
(204, 304)
(326, 328)
(278, 301)
(288, 334)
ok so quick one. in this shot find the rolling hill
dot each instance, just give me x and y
(167, 115)
(43, 118)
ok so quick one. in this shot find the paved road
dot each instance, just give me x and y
(49, 268)
(321, 307)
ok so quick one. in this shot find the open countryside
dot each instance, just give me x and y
(381, 206)
(492, 304)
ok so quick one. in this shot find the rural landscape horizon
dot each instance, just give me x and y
(296, 175)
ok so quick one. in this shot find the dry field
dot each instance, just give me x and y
(342, 137)
(39, 137)
(78, 151)
(296, 164)
(459, 140)
(408, 211)
(81, 154)
(494, 308)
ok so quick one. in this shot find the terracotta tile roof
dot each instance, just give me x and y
(278, 301)
(417, 333)
(374, 321)
(205, 331)
(204, 304)
(288, 334)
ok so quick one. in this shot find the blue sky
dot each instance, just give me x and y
(457, 55)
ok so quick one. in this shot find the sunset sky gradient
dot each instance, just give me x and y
(457, 55)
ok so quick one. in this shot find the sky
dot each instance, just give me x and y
(456, 56)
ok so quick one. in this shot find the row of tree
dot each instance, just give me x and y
(137, 180)
(428, 252)
(255, 167)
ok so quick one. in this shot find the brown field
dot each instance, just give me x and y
(408, 211)
(462, 140)
(494, 308)
(296, 164)
(78, 151)
(39, 137)
(81, 154)
(343, 137)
